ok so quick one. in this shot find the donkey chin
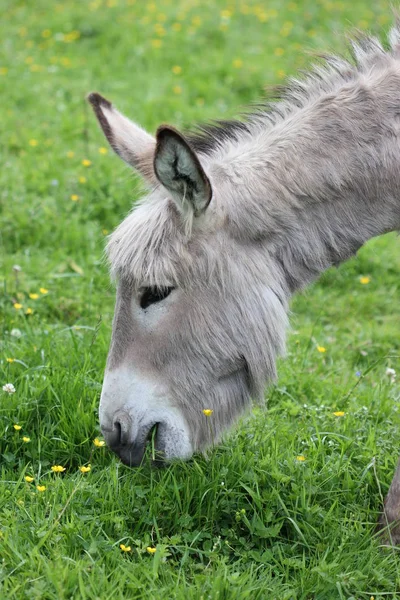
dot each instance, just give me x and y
(135, 412)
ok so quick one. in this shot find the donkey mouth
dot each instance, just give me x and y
(136, 453)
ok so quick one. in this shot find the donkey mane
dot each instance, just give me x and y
(282, 101)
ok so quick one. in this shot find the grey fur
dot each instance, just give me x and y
(297, 188)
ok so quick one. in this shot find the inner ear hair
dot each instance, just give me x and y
(178, 168)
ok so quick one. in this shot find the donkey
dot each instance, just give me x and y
(239, 215)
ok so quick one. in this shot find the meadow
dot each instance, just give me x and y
(285, 508)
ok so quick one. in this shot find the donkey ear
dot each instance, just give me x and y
(179, 170)
(134, 145)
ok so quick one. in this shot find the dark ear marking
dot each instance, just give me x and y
(97, 101)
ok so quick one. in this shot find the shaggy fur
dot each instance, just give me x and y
(298, 187)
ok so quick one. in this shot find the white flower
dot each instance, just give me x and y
(16, 333)
(9, 388)
(17, 268)
(391, 373)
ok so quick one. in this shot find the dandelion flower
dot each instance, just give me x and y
(10, 360)
(99, 443)
(33, 143)
(43, 291)
(156, 43)
(177, 89)
(82, 179)
(207, 412)
(125, 548)
(26, 439)
(84, 469)
(41, 488)
(365, 280)
(103, 150)
(17, 306)
(177, 70)
(29, 479)
(9, 388)
(33, 296)
(321, 349)
(57, 469)
(237, 63)
(16, 333)
(70, 154)
(74, 197)
(17, 427)
(279, 52)
(339, 413)
(86, 162)
(29, 311)
(300, 458)
(151, 550)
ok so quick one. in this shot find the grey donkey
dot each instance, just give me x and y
(238, 216)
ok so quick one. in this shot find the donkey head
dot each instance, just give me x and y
(200, 312)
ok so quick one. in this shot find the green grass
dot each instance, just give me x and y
(250, 520)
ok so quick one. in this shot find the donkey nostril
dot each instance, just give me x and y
(122, 427)
(117, 430)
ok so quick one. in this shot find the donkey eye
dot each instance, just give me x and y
(153, 294)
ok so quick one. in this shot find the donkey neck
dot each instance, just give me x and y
(323, 181)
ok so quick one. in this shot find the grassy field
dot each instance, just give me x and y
(285, 508)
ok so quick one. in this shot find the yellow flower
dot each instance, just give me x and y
(156, 43)
(237, 63)
(300, 458)
(33, 142)
(339, 413)
(26, 439)
(46, 33)
(17, 427)
(3, 70)
(17, 306)
(82, 179)
(86, 162)
(41, 488)
(57, 469)
(29, 479)
(99, 443)
(104, 231)
(177, 89)
(281, 73)
(74, 197)
(125, 548)
(321, 349)
(176, 26)
(103, 150)
(279, 52)
(33, 296)
(151, 550)
(70, 154)
(10, 360)
(29, 60)
(365, 280)
(29, 311)
(85, 469)
(177, 70)
(207, 412)
(43, 291)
